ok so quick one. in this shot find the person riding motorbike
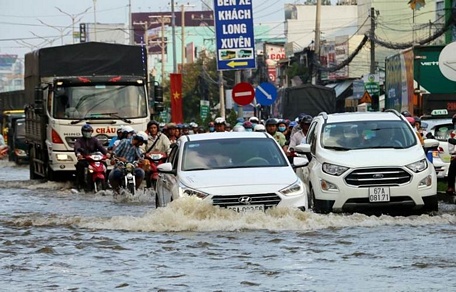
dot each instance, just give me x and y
(85, 145)
(128, 150)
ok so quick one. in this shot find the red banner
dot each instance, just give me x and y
(176, 98)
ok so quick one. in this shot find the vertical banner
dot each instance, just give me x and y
(176, 98)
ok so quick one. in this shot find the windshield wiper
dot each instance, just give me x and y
(116, 115)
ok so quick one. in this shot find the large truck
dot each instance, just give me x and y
(101, 84)
(414, 82)
(12, 100)
(306, 98)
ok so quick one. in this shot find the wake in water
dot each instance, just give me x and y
(192, 214)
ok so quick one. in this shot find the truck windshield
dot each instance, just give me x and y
(100, 101)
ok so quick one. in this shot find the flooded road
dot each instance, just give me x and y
(53, 239)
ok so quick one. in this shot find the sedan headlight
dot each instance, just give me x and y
(418, 166)
(293, 190)
(184, 191)
(333, 169)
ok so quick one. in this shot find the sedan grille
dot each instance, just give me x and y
(268, 200)
(378, 176)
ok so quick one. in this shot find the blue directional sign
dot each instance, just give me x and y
(235, 42)
(265, 93)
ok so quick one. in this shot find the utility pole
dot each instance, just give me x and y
(372, 42)
(145, 24)
(162, 19)
(317, 38)
(173, 31)
(237, 79)
(131, 39)
(95, 18)
(222, 94)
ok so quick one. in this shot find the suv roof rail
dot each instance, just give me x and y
(324, 115)
(390, 110)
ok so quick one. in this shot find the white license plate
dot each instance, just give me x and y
(379, 194)
(246, 208)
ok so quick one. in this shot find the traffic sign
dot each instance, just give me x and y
(235, 42)
(265, 93)
(243, 93)
(366, 98)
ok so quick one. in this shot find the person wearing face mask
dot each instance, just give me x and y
(211, 126)
(83, 146)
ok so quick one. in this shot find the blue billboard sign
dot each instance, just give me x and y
(235, 42)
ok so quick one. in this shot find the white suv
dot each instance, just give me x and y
(367, 160)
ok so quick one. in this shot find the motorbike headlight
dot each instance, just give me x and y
(334, 169)
(292, 190)
(418, 166)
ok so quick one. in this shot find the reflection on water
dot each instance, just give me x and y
(54, 239)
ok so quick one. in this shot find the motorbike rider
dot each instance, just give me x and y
(85, 145)
(128, 150)
(220, 124)
(156, 142)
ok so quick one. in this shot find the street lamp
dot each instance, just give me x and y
(73, 17)
(61, 30)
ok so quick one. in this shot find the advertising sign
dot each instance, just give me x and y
(235, 42)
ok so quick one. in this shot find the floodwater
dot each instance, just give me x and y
(53, 239)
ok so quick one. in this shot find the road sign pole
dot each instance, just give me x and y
(237, 79)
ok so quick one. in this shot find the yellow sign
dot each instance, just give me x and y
(234, 64)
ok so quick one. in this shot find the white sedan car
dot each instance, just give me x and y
(242, 171)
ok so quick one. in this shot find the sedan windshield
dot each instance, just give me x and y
(232, 153)
(368, 134)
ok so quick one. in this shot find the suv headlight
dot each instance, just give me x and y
(292, 190)
(418, 166)
(333, 169)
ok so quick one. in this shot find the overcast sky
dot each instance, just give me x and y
(21, 30)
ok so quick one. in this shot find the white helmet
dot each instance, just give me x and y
(254, 120)
(128, 129)
(219, 120)
(259, 128)
(238, 128)
(142, 136)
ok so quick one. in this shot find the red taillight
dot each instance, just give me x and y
(56, 138)
(84, 79)
(115, 79)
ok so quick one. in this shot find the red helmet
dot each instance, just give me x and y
(411, 120)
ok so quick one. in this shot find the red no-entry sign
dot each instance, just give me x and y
(243, 93)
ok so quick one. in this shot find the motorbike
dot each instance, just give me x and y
(95, 173)
(128, 171)
(155, 159)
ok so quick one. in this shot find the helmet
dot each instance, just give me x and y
(87, 131)
(171, 126)
(128, 129)
(271, 121)
(247, 125)
(185, 126)
(211, 124)
(153, 122)
(254, 120)
(193, 125)
(417, 120)
(220, 120)
(406, 114)
(180, 126)
(259, 128)
(141, 136)
(292, 124)
(306, 119)
(238, 128)
(411, 120)
(240, 120)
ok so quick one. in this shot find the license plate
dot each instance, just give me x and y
(246, 208)
(379, 194)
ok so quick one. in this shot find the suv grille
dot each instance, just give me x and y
(268, 200)
(378, 176)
